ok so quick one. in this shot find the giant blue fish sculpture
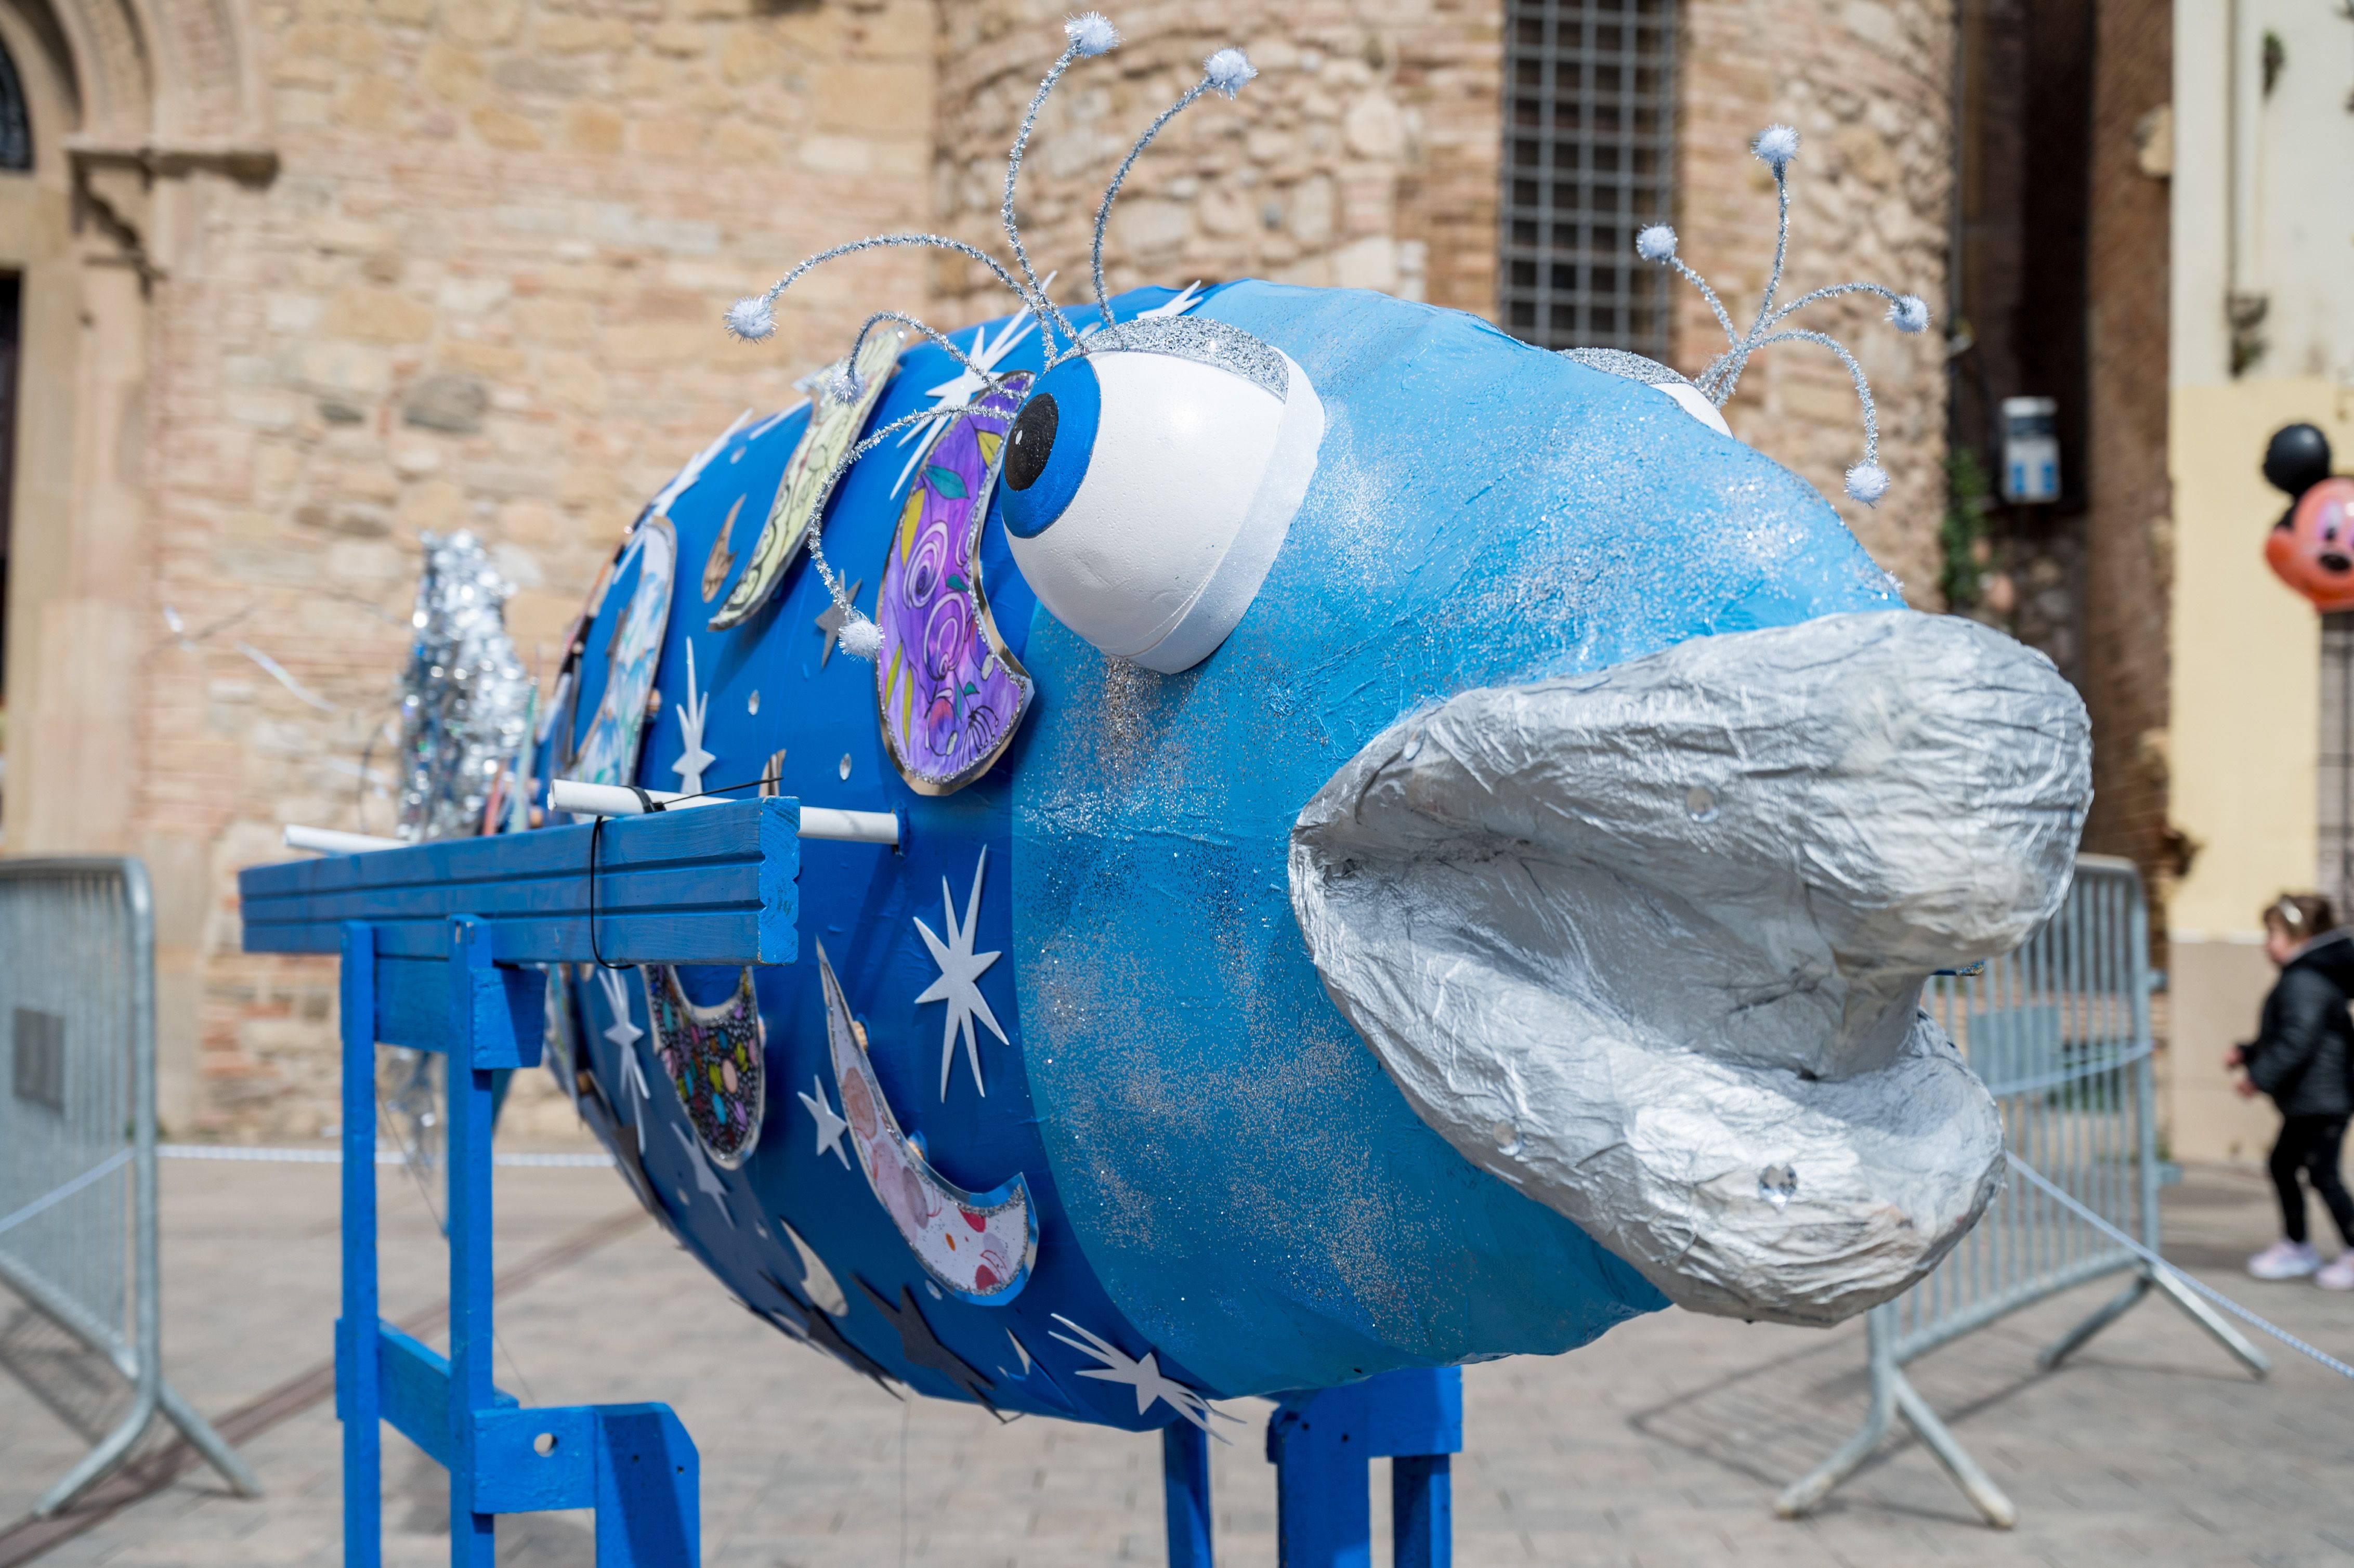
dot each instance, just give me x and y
(1417, 849)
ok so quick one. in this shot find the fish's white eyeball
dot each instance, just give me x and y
(1148, 489)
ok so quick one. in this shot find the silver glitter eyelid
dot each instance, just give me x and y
(1201, 340)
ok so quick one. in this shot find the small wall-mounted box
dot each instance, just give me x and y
(2030, 451)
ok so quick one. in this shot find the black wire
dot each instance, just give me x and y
(596, 830)
(647, 804)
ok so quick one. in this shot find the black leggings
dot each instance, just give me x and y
(2311, 1144)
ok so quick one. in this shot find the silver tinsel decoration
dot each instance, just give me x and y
(464, 699)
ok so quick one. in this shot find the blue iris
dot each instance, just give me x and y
(1049, 447)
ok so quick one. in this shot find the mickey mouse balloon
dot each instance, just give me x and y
(2311, 548)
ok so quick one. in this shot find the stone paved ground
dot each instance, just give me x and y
(1662, 1444)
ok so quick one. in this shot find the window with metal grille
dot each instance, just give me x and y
(1589, 158)
(2334, 876)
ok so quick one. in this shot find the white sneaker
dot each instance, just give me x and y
(2286, 1260)
(2339, 1276)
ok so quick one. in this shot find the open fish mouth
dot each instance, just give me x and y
(1648, 943)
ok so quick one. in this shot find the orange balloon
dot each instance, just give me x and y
(2312, 549)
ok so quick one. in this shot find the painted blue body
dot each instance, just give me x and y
(1223, 1173)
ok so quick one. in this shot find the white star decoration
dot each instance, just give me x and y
(829, 1124)
(1144, 1376)
(956, 391)
(624, 1036)
(691, 713)
(959, 968)
(621, 1032)
(683, 480)
(831, 620)
(1177, 304)
(705, 1181)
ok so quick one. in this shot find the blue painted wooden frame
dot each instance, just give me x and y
(715, 884)
(432, 938)
(634, 1464)
(1323, 1443)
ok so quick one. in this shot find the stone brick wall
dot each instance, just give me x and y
(1364, 156)
(2128, 572)
(483, 291)
(1868, 85)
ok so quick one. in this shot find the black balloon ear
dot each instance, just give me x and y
(2297, 459)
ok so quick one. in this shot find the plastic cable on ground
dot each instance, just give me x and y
(2217, 1296)
(336, 1155)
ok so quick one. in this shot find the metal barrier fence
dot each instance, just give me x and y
(78, 1135)
(2059, 1031)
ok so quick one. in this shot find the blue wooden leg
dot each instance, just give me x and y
(1185, 1484)
(358, 1398)
(1323, 1443)
(649, 1489)
(1422, 1511)
(1323, 1513)
(472, 1534)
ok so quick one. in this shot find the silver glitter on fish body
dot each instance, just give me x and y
(465, 695)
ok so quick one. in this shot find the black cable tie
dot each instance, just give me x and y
(646, 803)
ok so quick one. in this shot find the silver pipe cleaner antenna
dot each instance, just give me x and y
(753, 318)
(1224, 71)
(1089, 34)
(1777, 146)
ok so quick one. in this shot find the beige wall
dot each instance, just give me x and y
(2245, 737)
(2261, 219)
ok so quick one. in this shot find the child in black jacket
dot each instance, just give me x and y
(2301, 1057)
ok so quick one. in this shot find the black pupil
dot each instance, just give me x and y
(1032, 442)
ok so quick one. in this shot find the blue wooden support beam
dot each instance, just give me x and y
(634, 1464)
(1322, 1443)
(712, 885)
(1185, 1491)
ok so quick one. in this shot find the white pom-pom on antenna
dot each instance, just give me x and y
(842, 385)
(1091, 34)
(1776, 146)
(861, 638)
(1655, 243)
(1227, 70)
(1867, 482)
(1909, 314)
(751, 319)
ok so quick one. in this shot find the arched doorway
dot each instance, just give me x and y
(114, 113)
(119, 105)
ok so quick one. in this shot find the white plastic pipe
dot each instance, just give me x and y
(850, 827)
(612, 801)
(327, 840)
(817, 821)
